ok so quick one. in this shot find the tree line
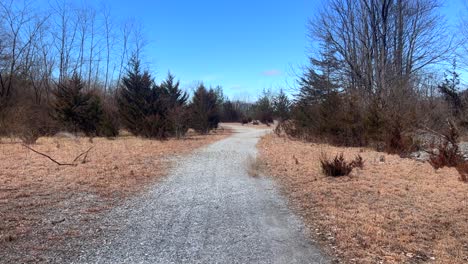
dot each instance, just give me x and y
(375, 75)
(46, 50)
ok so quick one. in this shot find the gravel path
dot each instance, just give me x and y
(208, 210)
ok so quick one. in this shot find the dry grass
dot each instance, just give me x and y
(393, 211)
(35, 192)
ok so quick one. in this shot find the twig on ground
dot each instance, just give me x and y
(59, 163)
(84, 153)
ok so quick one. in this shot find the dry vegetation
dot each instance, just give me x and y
(393, 211)
(255, 166)
(38, 198)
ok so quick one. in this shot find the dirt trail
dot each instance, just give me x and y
(208, 210)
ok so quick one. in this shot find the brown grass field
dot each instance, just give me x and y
(38, 197)
(393, 211)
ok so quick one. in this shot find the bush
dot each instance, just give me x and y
(447, 153)
(339, 166)
(29, 122)
(462, 169)
(76, 110)
(358, 162)
(399, 143)
(109, 126)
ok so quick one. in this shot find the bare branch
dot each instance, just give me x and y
(59, 163)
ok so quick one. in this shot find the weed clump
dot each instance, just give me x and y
(338, 166)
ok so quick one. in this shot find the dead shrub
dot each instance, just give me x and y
(285, 128)
(447, 153)
(27, 122)
(358, 162)
(338, 166)
(398, 142)
(462, 169)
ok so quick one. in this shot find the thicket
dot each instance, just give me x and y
(76, 110)
(370, 80)
(58, 73)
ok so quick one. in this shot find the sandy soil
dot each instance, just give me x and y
(393, 211)
(43, 205)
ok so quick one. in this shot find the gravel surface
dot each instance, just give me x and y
(208, 210)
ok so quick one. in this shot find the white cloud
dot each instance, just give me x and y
(272, 73)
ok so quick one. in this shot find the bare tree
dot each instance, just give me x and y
(65, 36)
(21, 27)
(108, 38)
(382, 43)
(126, 30)
(464, 35)
(92, 44)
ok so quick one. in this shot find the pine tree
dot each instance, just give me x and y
(176, 97)
(75, 109)
(205, 110)
(282, 106)
(449, 88)
(142, 105)
(320, 77)
(263, 108)
(176, 101)
(231, 112)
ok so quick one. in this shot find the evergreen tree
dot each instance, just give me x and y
(75, 109)
(142, 104)
(449, 88)
(175, 96)
(176, 102)
(282, 106)
(263, 108)
(204, 110)
(231, 112)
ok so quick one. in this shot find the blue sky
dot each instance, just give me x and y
(242, 45)
(245, 45)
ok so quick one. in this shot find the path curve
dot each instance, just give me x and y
(208, 210)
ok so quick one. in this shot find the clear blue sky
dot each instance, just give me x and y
(244, 45)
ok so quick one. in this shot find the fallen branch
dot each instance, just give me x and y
(59, 163)
(47, 156)
(85, 155)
